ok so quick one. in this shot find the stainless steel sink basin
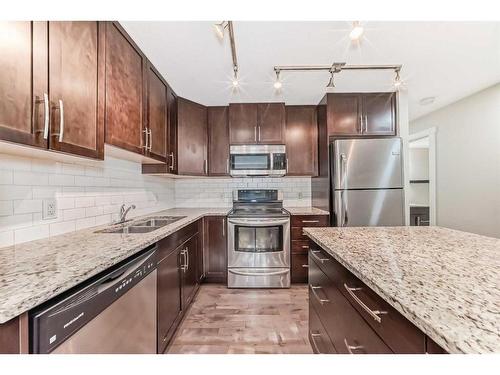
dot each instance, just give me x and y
(144, 225)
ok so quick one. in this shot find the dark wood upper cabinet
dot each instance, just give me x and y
(157, 115)
(218, 141)
(271, 123)
(171, 166)
(242, 123)
(76, 97)
(302, 140)
(125, 91)
(251, 123)
(215, 253)
(379, 114)
(23, 82)
(344, 114)
(192, 142)
(361, 114)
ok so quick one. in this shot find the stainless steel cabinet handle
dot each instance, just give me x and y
(305, 246)
(313, 337)
(373, 313)
(360, 123)
(46, 114)
(146, 139)
(223, 227)
(150, 139)
(350, 348)
(172, 165)
(310, 221)
(320, 300)
(255, 133)
(259, 133)
(366, 124)
(305, 266)
(322, 260)
(61, 122)
(286, 165)
(227, 165)
(187, 262)
(205, 166)
(184, 261)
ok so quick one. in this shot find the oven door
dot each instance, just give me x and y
(259, 243)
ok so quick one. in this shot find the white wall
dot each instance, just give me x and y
(468, 162)
(87, 194)
(210, 192)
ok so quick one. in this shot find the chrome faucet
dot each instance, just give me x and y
(124, 212)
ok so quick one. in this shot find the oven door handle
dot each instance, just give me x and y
(260, 222)
(274, 273)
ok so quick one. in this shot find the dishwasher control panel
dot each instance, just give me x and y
(57, 320)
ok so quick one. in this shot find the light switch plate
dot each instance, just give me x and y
(49, 209)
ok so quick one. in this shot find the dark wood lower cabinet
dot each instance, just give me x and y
(189, 252)
(169, 297)
(318, 337)
(215, 249)
(299, 267)
(347, 309)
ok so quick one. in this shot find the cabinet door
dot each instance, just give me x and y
(218, 141)
(192, 138)
(23, 82)
(215, 250)
(125, 102)
(169, 297)
(172, 131)
(301, 141)
(271, 123)
(189, 261)
(344, 114)
(242, 124)
(157, 119)
(379, 114)
(77, 113)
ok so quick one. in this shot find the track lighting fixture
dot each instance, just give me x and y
(219, 29)
(397, 80)
(277, 84)
(331, 84)
(356, 32)
(235, 81)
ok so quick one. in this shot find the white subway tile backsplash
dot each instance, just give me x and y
(84, 202)
(61, 180)
(73, 213)
(8, 192)
(30, 178)
(84, 223)
(32, 233)
(6, 238)
(27, 206)
(62, 227)
(9, 223)
(6, 208)
(6, 177)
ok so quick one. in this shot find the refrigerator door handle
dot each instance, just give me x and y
(343, 169)
(343, 210)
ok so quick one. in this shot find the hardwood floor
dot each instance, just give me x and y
(246, 321)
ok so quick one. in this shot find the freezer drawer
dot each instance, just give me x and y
(258, 277)
(359, 208)
(366, 163)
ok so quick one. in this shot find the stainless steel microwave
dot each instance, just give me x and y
(257, 160)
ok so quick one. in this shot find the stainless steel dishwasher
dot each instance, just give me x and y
(116, 313)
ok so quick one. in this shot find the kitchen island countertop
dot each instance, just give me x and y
(444, 281)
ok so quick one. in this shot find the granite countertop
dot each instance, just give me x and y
(34, 272)
(444, 281)
(308, 210)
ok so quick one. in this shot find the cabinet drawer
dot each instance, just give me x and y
(170, 243)
(300, 247)
(318, 337)
(349, 333)
(298, 234)
(299, 268)
(309, 220)
(396, 331)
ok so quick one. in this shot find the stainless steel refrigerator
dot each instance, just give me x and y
(367, 182)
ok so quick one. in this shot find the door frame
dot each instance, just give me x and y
(431, 134)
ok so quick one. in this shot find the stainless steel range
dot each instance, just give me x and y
(258, 240)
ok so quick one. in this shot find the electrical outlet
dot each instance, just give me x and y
(49, 209)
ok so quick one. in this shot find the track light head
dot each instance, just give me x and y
(356, 32)
(235, 82)
(219, 29)
(397, 80)
(331, 83)
(277, 84)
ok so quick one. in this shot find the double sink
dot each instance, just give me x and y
(144, 225)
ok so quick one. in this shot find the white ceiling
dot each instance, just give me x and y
(448, 60)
